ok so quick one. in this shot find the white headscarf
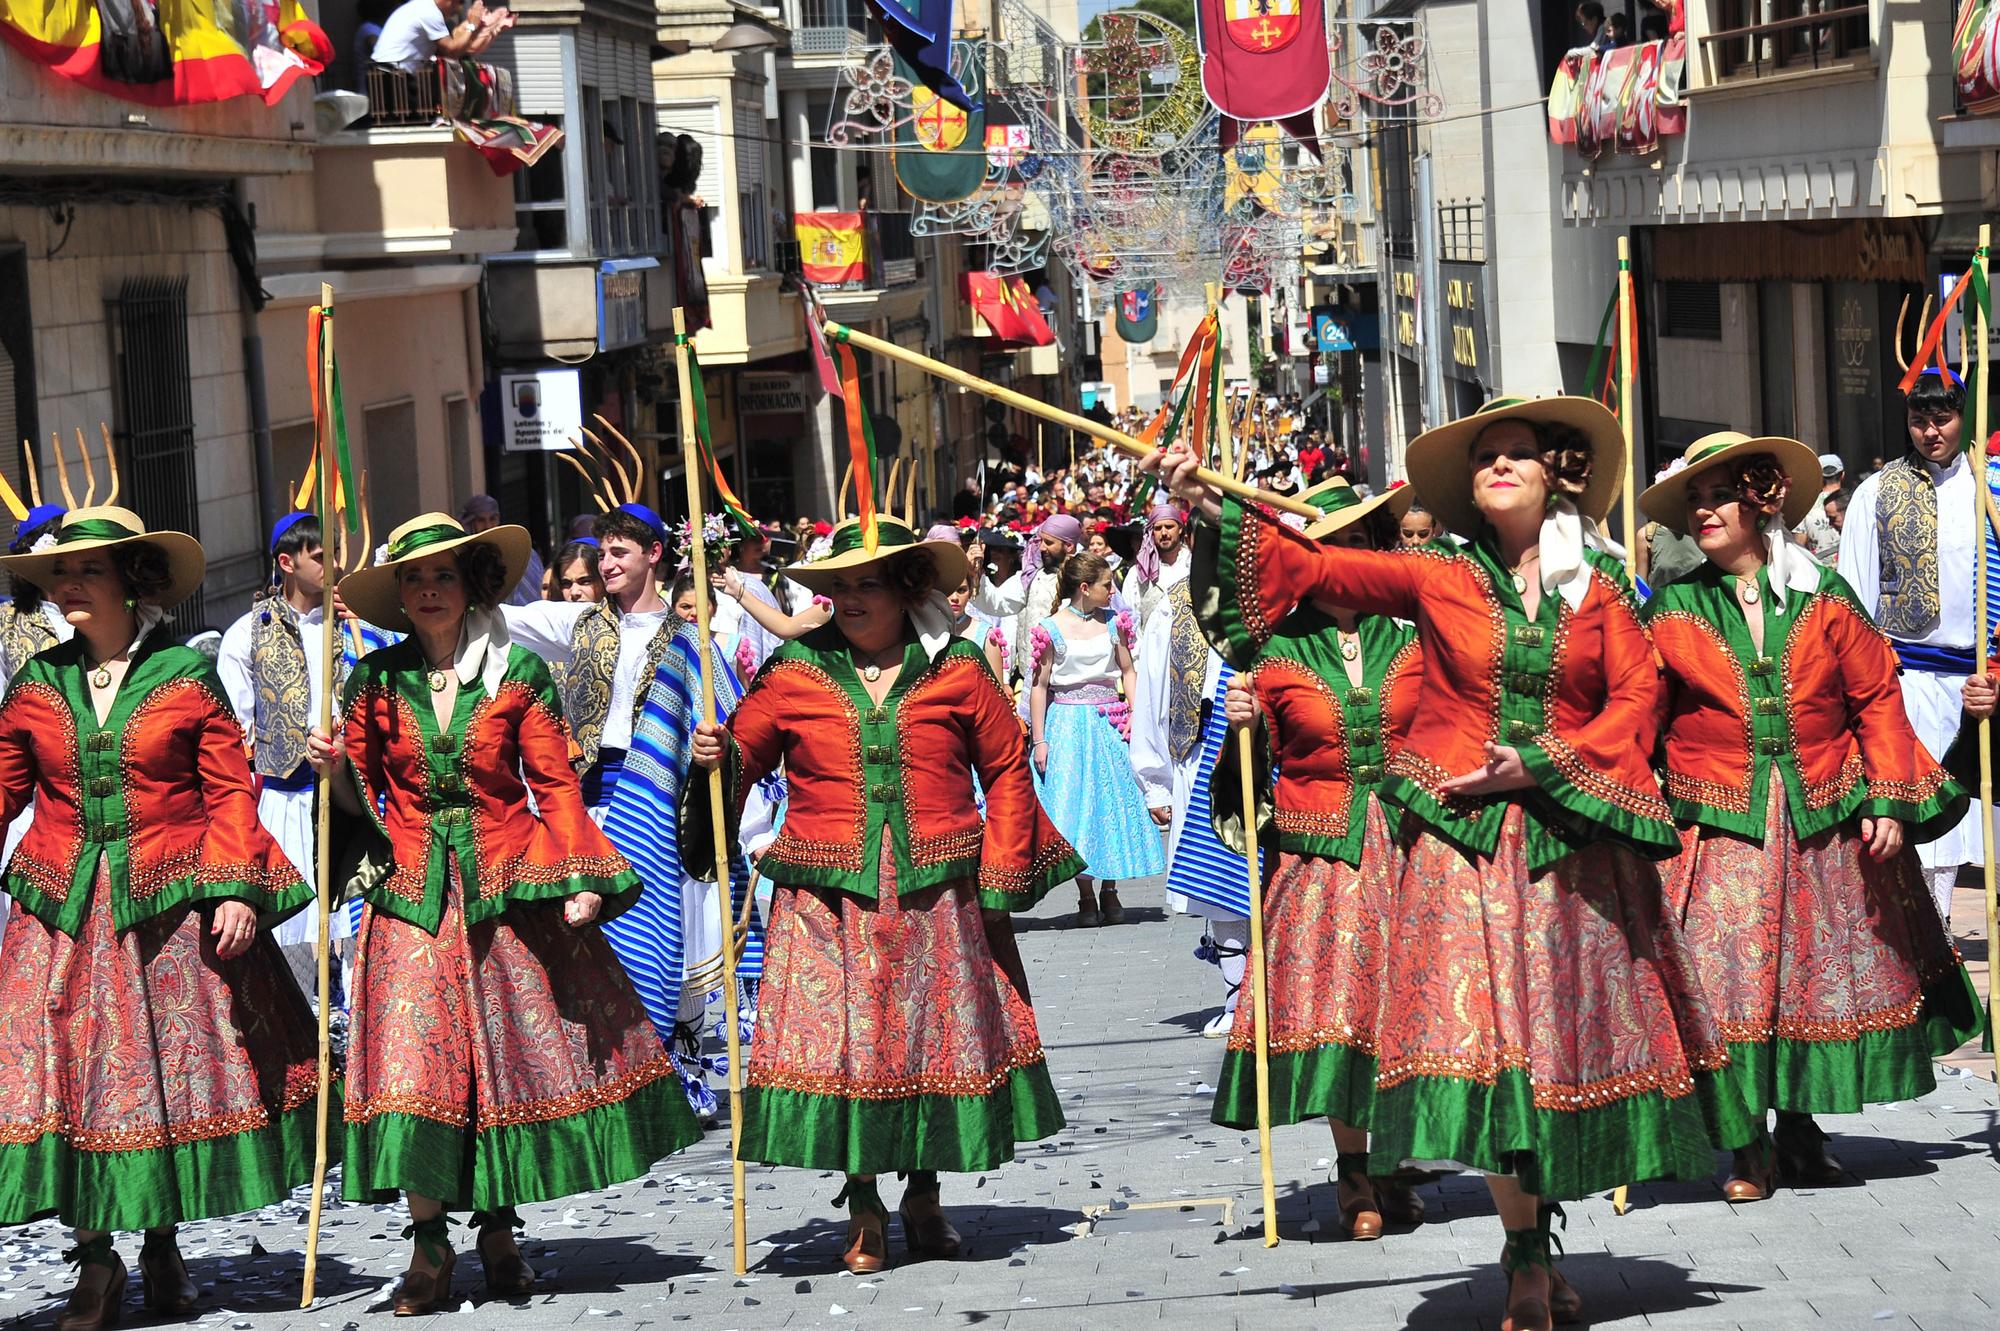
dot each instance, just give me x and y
(1790, 564)
(1566, 534)
(483, 641)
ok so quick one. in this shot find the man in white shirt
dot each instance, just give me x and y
(422, 30)
(1906, 547)
(1163, 561)
(1816, 531)
(608, 650)
(1027, 597)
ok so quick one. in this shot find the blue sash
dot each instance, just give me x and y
(1927, 659)
(300, 779)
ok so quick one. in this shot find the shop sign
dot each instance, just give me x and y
(541, 411)
(1403, 297)
(762, 393)
(621, 303)
(1465, 319)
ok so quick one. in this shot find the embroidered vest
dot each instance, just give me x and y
(1906, 533)
(22, 635)
(283, 710)
(1187, 669)
(593, 663)
(1041, 604)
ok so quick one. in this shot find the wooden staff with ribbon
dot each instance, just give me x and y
(718, 826)
(1982, 594)
(1118, 439)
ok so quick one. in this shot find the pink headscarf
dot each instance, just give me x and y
(1059, 525)
(1148, 562)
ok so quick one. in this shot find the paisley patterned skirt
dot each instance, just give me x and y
(889, 1038)
(503, 1063)
(1545, 1025)
(1830, 972)
(143, 1080)
(1326, 944)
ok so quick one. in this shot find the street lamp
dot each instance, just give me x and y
(743, 35)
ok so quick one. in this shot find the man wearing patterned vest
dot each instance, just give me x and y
(271, 666)
(1163, 561)
(609, 650)
(1030, 595)
(1906, 548)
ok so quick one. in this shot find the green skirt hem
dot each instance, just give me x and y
(1876, 1067)
(1333, 1081)
(521, 1162)
(164, 1185)
(959, 1134)
(1560, 1155)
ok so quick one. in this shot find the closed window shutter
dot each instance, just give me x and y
(536, 61)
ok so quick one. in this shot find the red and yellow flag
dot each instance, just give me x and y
(179, 55)
(831, 248)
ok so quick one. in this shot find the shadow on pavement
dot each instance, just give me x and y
(990, 1234)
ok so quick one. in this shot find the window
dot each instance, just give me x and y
(458, 443)
(390, 437)
(156, 413)
(541, 199)
(1757, 37)
(17, 369)
(1691, 310)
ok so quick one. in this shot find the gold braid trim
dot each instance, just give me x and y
(854, 1088)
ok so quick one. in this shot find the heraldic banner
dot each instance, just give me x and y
(1138, 314)
(1263, 59)
(940, 152)
(831, 248)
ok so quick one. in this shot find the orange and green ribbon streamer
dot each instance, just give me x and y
(329, 423)
(731, 505)
(860, 440)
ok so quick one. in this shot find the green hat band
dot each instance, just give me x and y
(94, 529)
(849, 538)
(411, 542)
(1335, 499)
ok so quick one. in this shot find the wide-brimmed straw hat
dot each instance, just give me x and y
(108, 528)
(371, 592)
(1344, 506)
(892, 538)
(1442, 476)
(1665, 501)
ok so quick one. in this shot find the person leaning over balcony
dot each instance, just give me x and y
(422, 30)
(157, 1063)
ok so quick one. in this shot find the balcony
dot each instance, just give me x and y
(891, 255)
(1759, 38)
(48, 123)
(827, 27)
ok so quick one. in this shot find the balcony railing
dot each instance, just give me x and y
(1462, 232)
(827, 27)
(1760, 37)
(442, 90)
(891, 254)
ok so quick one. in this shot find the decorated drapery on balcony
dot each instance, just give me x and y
(1626, 99)
(170, 52)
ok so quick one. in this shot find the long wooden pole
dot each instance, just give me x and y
(1118, 439)
(1981, 591)
(323, 848)
(1628, 504)
(691, 463)
(1260, 1010)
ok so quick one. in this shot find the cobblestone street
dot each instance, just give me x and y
(1144, 1213)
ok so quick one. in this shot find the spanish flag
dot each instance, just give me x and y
(831, 250)
(170, 52)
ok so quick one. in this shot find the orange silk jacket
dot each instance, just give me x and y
(461, 792)
(1576, 692)
(1820, 707)
(160, 792)
(865, 781)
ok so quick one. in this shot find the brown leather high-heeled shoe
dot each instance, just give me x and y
(93, 1310)
(1398, 1200)
(1753, 1175)
(867, 1228)
(1360, 1213)
(168, 1288)
(422, 1293)
(508, 1275)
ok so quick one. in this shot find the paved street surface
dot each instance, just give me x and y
(1143, 1213)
